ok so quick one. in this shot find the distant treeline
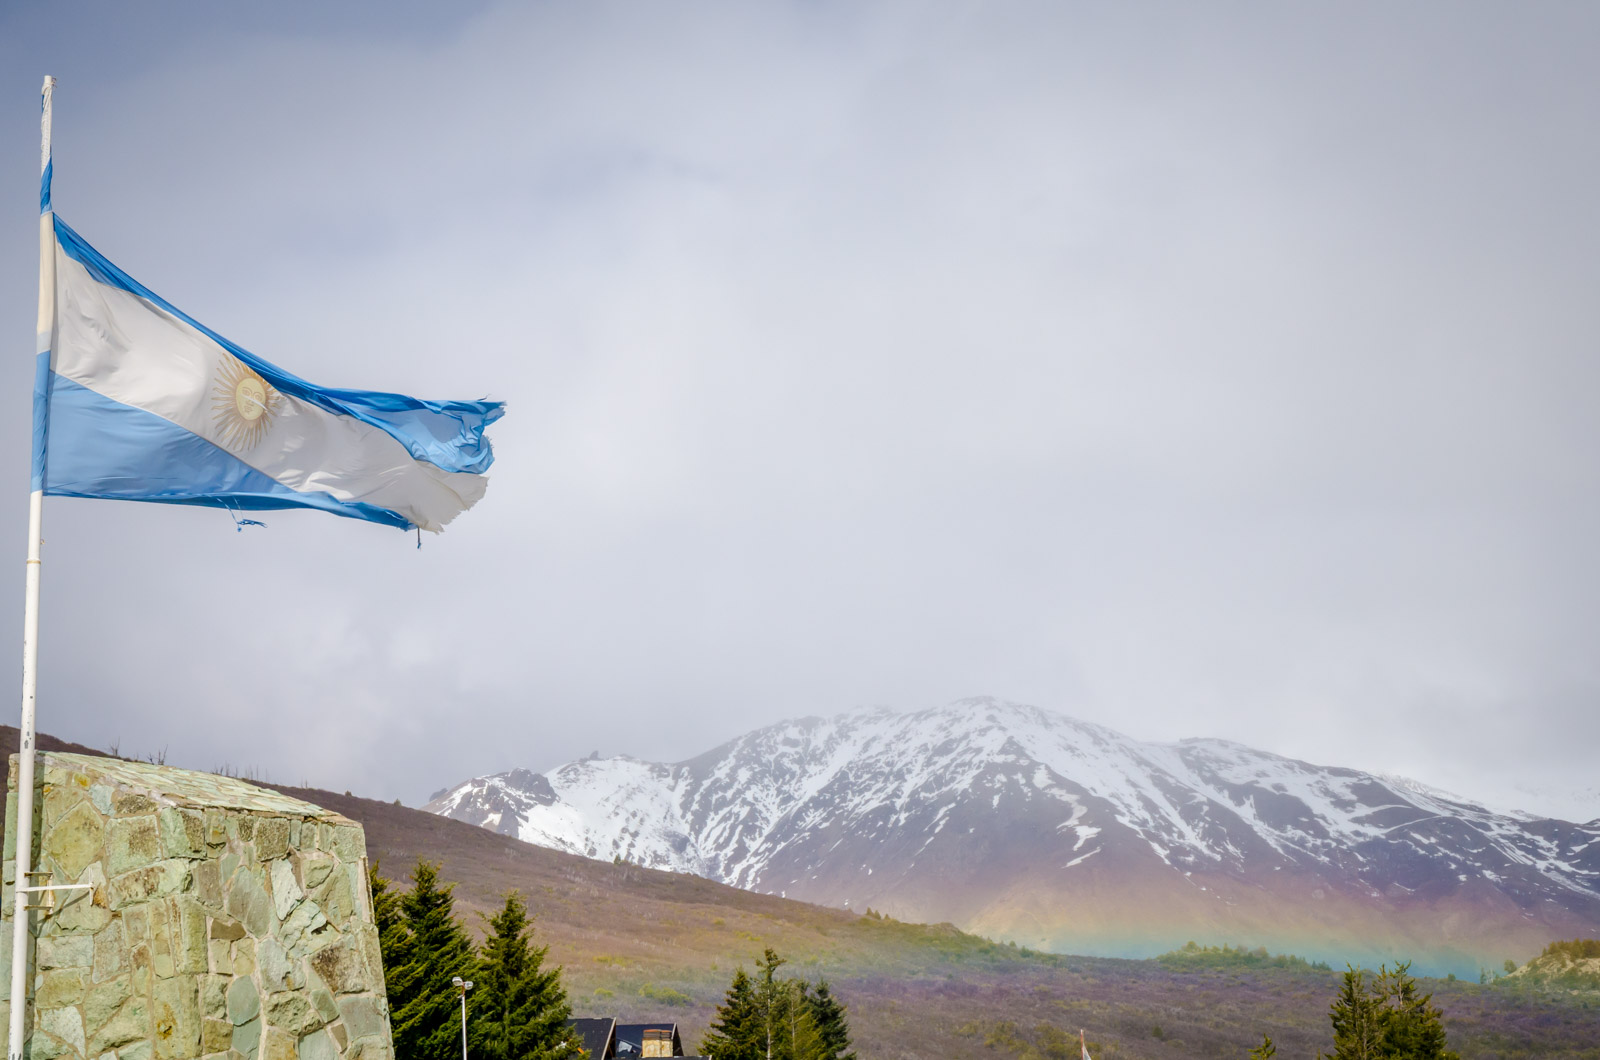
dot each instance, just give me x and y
(1195, 956)
(1577, 949)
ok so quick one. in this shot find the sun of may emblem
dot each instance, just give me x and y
(243, 404)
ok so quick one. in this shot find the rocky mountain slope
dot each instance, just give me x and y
(1030, 826)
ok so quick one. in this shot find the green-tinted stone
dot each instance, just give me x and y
(322, 999)
(189, 936)
(66, 951)
(136, 1051)
(341, 967)
(221, 954)
(307, 930)
(103, 1001)
(215, 827)
(216, 1036)
(100, 795)
(208, 885)
(272, 838)
(278, 970)
(75, 840)
(131, 843)
(42, 1046)
(247, 1039)
(244, 1004)
(249, 903)
(244, 957)
(176, 1005)
(60, 988)
(110, 952)
(291, 1012)
(126, 804)
(153, 881)
(314, 870)
(286, 892)
(349, 843)
(317, 1046)
(182, 833)
(131, 1022)
(65, 1024)
(214, 996)
(363, 1015)
(339, 1035)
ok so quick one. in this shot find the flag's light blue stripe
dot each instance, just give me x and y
(103, 448)
(447, 434)
(41, 416)
(44, 186)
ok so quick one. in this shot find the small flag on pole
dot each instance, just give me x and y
(136, 400)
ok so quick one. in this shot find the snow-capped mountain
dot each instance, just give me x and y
(1020, 823)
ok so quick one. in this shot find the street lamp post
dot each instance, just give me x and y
(463, 986)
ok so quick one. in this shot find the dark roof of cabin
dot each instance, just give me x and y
(597, 1035)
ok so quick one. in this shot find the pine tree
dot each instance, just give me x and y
(1356, 1033)
(394, 941)
(427, 1020)
(519, 1009)
(1386, 1019)
(832, 1029)
(1265, 1051)
(772, 1000)
(735, 1033)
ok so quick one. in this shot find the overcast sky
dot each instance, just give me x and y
(1201, 370)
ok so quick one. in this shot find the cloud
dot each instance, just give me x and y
(1196, 376)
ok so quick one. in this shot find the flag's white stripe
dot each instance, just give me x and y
(122, 347)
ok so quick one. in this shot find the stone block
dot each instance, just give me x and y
(110, 952)
(348, 842)
(208, 885)
(317, 1045)
(340, 1037)
(42, 1046)
(65, 1024)
(272, 838)
(188, 938)
(76, 839)
(100, 795)
(182, 833)
(315, 869)
(307, 930)
(220, 953)
(341, 967)
(370, 1049)
(216, 1036)
(363, 1015)
(226, 930)
(214, 996)
(59, 988)
(244, 957)
(103, 1001)
(276, 1045)
(216, 826)
(131, 1023)
(277, 969)
(153, 881)
(65, 951)
(131, 843)
(244, 1003)
(286, 892)
(128, 804)
(175, 1003)
(247, 1039)
(291, 1012)
(136, 1051)
(249, 902)
(322, 999)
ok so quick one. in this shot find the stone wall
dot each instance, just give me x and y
(225, 921)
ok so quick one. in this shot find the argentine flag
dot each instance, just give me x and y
(136, 400)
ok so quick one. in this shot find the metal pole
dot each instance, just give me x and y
(463, 1024)
(30, 615)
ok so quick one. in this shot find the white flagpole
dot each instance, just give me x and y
(30, 624)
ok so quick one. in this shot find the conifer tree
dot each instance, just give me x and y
(735, 1033)
(1386, 1018)
(394, 941)
(427, 1021)
(772, 999)
(1356, 1033)
(1265, 1051)
(520, 1008)
(832, 1029)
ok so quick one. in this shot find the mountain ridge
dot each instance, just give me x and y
(1027, 825)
